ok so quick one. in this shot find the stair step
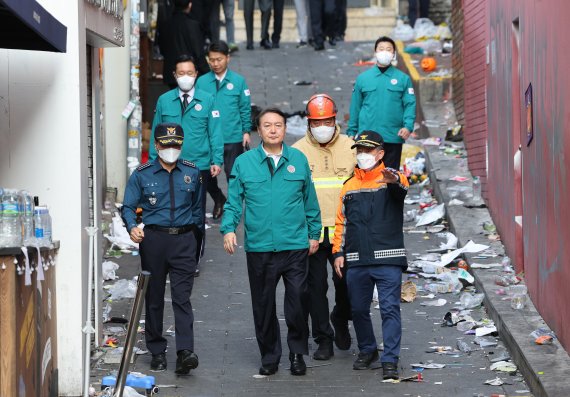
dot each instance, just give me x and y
(364, 24)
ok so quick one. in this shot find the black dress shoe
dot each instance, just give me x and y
(390, 371)
(186, 361)
(218, 209)
(298, 366)
(325, 351)
(364, 360)
(249, 46)
(332, 41)
(341, 333)
(319, 46)
(158, 362)
(265, 44)
(268, 369)
(275, 44)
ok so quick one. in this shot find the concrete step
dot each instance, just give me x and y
(364, 24)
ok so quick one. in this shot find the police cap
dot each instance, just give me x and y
(169, 134)
(369, 139)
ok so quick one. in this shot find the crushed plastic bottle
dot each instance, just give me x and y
(465, 326)
(464, 346)
(470, 301)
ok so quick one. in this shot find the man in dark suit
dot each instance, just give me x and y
(265, 6)
(181, 35)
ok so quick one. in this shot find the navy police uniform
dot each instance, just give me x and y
(172, 215)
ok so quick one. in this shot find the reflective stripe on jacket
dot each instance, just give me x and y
(369, 220)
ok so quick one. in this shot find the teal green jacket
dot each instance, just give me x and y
(232, 99)
(382, 102)
(203, 141)
(281, 208)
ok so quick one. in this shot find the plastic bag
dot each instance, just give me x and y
(130, 392)
(108, 270)
(123, 289)
(443, 32)
(470, 301)
(297, 125)
(403, 32)
(424, 28)
(119, 235)
(543, 336)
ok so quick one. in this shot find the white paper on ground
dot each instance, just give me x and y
(432, 215)
(469, 247)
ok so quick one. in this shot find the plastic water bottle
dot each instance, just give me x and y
(11, 223)
(47, 226)
(476, 188)
(39, 226)
(27, 215)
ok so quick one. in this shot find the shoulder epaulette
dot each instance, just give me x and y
(143, 166)
(189, 163)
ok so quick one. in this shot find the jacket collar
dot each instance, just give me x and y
(389, 72)
(199, 95)
(157, 167)
(262, 156)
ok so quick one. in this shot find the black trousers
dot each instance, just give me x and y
(322, 19)
(165, 254)
(392, 155)
(265, 269)
(231, 151)
(321, 329)
(413, 10)
(265, 7)
(340, 19)
(248, 6)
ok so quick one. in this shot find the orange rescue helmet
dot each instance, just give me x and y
(320, 106)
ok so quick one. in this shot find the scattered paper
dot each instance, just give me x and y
(485, 330)
(432, 215)
(470, 247)
(428, 366)
(439, 302)
(409, 291)
(503, 366)
(494, 382)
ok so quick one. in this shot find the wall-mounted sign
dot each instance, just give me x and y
(113, 7)
(529, 120)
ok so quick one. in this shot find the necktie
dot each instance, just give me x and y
(217, 85)
(184, 101)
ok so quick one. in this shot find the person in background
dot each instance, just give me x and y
(233, 101)
(180, 34)
(303, 22)
(194, 110)
(383, 100)
(368, 245)
(322, 22)
(282, 227)
(413, 10)
(266, 6)
(169, 191)
(332, 160)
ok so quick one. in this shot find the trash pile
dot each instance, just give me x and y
(414, 164)
(441, 278)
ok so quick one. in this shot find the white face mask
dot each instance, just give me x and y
(365, 161)
(185, 82)
(323, 133)
(384, 58)
(169, 155)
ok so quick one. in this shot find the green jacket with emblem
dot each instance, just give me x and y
(382, 102)
(232, 99)
(203, 141)
(281, 207)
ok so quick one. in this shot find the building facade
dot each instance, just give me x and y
(514, 58)
(52, 144)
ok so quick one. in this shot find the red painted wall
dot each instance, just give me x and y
(475, 25)
(495, 121)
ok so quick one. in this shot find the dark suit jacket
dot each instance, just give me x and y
(181, 35)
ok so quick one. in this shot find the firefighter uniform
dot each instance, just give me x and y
(331, 165)
(281, 215)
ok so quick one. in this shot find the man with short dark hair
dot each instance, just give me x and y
(194, 110)
(383, 100)
(169, 192)
(282, 227)
(232, 99)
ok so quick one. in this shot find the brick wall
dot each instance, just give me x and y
(456, 25)
(473, 50)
